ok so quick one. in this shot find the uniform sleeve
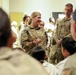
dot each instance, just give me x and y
(59, 30)
(25, 42)
(56, 37)
(46, 37)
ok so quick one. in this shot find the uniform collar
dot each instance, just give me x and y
(67, 19)
(31, 27)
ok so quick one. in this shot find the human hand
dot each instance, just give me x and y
(37, 41)
(58, 42)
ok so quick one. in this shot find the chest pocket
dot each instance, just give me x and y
(65, 27)
(34, 34)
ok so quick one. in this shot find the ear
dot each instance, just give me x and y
(11, 39)
(67, 53)
(10, 44)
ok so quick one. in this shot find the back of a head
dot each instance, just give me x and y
(69, 44)
(51, 20)
(5, 28)
(38, 53)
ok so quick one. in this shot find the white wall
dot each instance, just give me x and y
(46, 7)
(5, 5)
(0, 3)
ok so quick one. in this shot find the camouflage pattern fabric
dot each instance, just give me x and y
(62, 30)
(29, 34)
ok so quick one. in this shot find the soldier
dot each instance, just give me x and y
(14, 62)
(33, 35)
(70, 66)
(63, 30)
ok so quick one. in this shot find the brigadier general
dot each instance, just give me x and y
(33, 35)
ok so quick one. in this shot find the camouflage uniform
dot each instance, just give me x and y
(29, 34)
(70, 66)
(62, 30)
(52, 46)
(15, 62)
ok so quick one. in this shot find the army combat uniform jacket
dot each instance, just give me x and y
(29, 34)
(63, 28)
